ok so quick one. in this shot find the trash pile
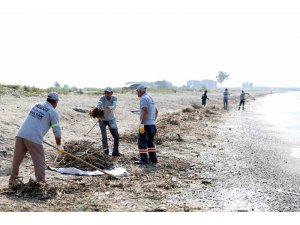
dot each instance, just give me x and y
(87, 151)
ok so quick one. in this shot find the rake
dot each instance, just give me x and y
(81, 160)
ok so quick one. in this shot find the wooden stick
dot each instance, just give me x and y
(91, 128)
(81, 160)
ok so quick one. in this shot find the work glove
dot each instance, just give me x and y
(60, 149)
(142, 129)
(110, 108)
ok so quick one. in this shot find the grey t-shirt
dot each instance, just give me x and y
(103, 103)
(147, 102)
(41, 117)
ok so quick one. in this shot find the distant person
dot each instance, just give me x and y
(147, 127)
(242, 100)
(204, 98)
(108, 104)
(30, 136)
(225, 98)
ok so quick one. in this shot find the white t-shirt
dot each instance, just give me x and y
(40, 118)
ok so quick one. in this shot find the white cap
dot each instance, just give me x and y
(53, 96)
(141, 88)
(108, 89)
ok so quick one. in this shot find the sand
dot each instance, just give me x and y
(209, 159)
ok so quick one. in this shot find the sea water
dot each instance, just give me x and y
(282, 111)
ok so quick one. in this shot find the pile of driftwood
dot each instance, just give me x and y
(88, 152)
(167, 128)
(169, 124)
(33, 189)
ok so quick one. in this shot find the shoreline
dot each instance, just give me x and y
(288, 140)
(263, 162)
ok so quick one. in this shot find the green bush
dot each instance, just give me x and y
(15, 87)
(31, 90)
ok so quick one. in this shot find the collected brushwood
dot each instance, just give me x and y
(96, 113)
(33, 189)
(86, 151)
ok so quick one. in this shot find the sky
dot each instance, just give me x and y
(108, 43)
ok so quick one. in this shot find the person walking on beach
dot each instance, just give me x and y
(242, 100)
(204, 97)
(108, 103)
(30, 136)
(225, 98)
(147, 127)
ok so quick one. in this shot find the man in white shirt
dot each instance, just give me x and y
(30, 136)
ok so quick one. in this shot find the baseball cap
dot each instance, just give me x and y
(108, 89)
(141, 88)
(53, 96)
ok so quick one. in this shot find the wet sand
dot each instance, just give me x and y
(255, 171)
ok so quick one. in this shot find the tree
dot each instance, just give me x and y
(222, 76)
(56, 84)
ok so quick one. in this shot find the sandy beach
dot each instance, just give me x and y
(209, 159)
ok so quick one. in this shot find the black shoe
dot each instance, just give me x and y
(115, 154)
(106, 152)
(154, 161)
(140, 162)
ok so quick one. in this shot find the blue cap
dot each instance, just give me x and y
(108, 89)
(141, 88)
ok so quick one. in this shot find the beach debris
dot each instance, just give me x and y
(158, 209)
(196, 106)
(169, 124)
(186, 208)
(3, 153)
(188, 110)
(33, 189)
(87, 151)
(206, 182)
(80, 110)
(96, 113)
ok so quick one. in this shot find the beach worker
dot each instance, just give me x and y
(147, 127)
(30, 136)
(225, 98)
(204, 97)
(242, 100)
(108, 103)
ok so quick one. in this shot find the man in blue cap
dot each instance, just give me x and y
(147, 127)
(108, 104)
